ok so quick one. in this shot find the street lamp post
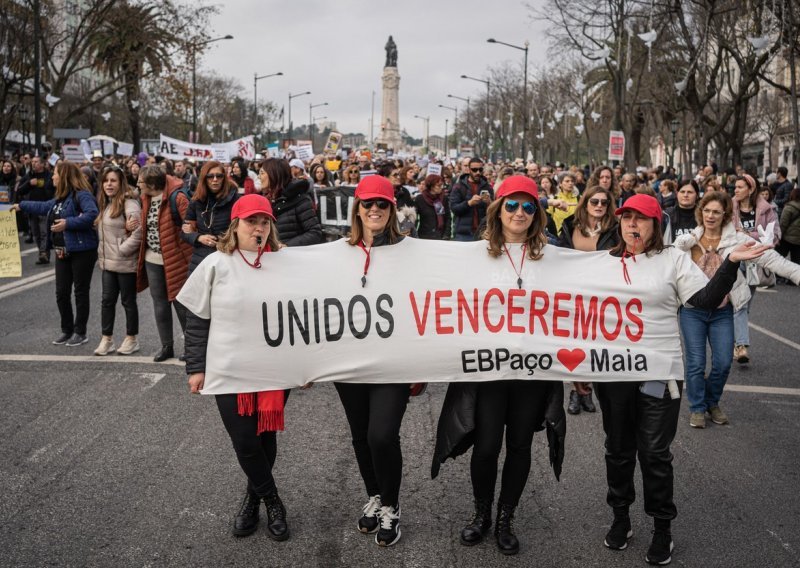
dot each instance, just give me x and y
(256, 79)
(466, 100)
(194, 79)
(311, 122)
(291, 96)
(524, 90)
(455, 127)
(486, 126)
(427, 120)
(446, 120)
(674, 124)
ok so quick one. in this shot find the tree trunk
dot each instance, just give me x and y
(793, 88)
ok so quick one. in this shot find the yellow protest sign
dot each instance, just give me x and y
(10, 259)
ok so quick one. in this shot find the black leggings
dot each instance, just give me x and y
(375, 413)
(638, 424)
(256, 454)
(75, 270)
(114, 285)
(517, 406)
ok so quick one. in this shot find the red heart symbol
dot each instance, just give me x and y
(571, 359)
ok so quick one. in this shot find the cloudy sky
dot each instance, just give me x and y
(335, 49)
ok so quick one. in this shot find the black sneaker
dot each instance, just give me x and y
(368, 523)
(389, 531)
(166, 352)
(77, 340)
(62, 339)
(660, 551)
(574, 406)
(620, 532)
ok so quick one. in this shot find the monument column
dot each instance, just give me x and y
(390, 109)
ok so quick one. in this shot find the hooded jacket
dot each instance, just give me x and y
(295, 216)
(730, 239)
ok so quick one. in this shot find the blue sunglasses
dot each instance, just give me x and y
(528, 207)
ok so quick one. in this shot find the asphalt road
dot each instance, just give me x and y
(109, 462)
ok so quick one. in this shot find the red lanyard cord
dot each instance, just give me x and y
(514, 266)
(257, 263)
(367, 252)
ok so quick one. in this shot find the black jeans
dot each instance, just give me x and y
(114, 284)
(157, 282)
(518, 407)
(76, 269)
(39, 229)
(639, 424)
(256, 454)
(375, 412)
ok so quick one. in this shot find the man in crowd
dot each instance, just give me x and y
(627, 187)
(183, 172)
(469, 198)
(782, 188)
(38, 186)
(95, 172)
(532, 169)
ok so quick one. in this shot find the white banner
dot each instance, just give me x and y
(175, 149)
(437, 312)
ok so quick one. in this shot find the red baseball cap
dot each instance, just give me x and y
(375, 187)
(642, 203)
(518, 184)
(252, 204)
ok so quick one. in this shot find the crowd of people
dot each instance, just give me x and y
(157, 223)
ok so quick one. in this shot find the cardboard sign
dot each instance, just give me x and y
(305, 153)
(616, 145)
(53, 159)
(108, 148)
(221, 154)
(73, 153)
(86, 148)
(332, 145)
(5, 194)
(434, 170)
(10, 259)
(95, 145)
(274, 151)
(124, 149)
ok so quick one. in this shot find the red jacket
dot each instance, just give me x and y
(175, 251)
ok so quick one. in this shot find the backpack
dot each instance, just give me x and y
(173, 203)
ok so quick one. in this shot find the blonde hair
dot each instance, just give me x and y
(70, 178)
(228, 242)
(534, 239)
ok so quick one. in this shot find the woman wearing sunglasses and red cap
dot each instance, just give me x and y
(641, 418)
(251, 419)
(375, 411)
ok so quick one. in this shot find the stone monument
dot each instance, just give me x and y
(390, 110)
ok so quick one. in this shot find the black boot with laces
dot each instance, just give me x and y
(277, 529)
(480, 524)
(504, 529)
(246, 520)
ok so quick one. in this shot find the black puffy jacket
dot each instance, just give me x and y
(605, 241)
(212, 218)
(296, 218)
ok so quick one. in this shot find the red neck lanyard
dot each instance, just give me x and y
(257, 263)
(367, 251)
(514, 266)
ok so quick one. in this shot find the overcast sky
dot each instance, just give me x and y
(335, 49)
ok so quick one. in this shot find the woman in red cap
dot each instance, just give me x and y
(251, 419)
(375, 411)
(642, 418)
(515, 224)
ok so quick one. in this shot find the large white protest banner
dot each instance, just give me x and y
(438, 311)
(175, 149)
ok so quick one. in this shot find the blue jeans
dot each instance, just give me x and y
(697, 327)
(741, 321)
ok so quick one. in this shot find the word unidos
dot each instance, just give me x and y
(446, 312)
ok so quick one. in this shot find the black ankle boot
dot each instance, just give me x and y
(166, 353)
(480, 524)
(504, 529)
(587, 403)
(246, 520)
(276, 517)
(574, 406)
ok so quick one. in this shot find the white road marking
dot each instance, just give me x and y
(87, 359)
(775, 336)
(23, 281)
(762, 390)
(28, 251)
(27, 286)
(151, 379)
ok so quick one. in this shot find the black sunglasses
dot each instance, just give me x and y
(215, 176)
(476, 170)
(381, 203)
(528, 207)
(597, 202)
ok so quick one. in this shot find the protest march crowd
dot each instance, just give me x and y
(176, 227)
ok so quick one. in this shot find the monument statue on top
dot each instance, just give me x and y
(390, 112)
(391, 53)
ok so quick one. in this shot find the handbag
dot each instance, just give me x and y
(758, 275)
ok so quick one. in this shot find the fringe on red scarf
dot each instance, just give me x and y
(267, 404)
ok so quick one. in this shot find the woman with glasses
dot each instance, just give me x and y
(515, 409)
(375, 411)
(592, 228)
(70, 216)
(297, 220)
(163, 255)
(209, 213)
(120, 235)
(710, 244)
(751, 212)
(350, 176)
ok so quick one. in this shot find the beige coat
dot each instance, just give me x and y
(118, 250)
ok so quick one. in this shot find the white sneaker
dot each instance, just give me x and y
(128, 346)
(106, 346)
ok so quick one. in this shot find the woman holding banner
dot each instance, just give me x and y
(375, 411)
(251, 419)
(642, 418)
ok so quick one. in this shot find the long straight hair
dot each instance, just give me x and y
(534, 238)
(202, 192)
(70, 178)
(357, 228)
(117, 201)
(654, 245)
(582, 211)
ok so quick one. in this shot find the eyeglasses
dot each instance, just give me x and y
(476, 170)
(597, 202)
(112, 169)
(528, 207)
(713, 212)
(381, 203)
(215, 176)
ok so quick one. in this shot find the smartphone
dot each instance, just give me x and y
(484, 192)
